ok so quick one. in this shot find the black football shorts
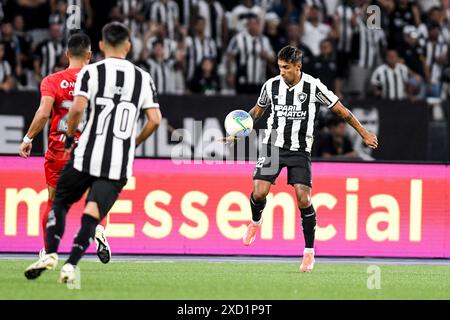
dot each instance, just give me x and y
(72, 184)
(298, 164)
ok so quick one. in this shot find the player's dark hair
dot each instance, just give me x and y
(290, 54)
(115, 33)
(78, 44)
(434, 8)
(251, 15)
(326, 40)
(158, 41)
(199, 18)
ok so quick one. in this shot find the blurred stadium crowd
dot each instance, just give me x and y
(397, 50)
(390, 49)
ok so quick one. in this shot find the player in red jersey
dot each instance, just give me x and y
(56, 99)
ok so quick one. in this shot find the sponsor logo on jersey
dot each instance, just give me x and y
(66, 84)
(290, 111)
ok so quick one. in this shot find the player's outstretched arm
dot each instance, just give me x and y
(40, 119)
(153, 121)
(256, 112)
(369, 138)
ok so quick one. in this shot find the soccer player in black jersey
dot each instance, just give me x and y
(294, 98)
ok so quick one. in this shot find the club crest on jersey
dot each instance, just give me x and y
(302, 97)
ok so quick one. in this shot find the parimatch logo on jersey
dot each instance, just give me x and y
(291, 112)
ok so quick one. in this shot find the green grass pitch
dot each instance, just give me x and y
(226, 280)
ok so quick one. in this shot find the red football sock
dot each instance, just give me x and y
(44, 218)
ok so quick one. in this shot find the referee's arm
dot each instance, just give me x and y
(153, 121)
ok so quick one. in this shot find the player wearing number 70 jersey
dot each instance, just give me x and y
(57, 91)
(114, 92)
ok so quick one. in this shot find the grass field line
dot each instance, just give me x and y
(243, 259)
(223, 280)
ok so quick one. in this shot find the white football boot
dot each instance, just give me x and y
(103, 249)
(46, 262)
(67, 274)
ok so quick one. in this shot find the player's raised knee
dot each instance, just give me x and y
(260, 191)
(303, 199)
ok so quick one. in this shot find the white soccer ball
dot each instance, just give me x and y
(238, 123)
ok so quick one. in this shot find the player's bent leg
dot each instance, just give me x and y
(51, 198)
(55, 229)
(70, 188)
(83, 239)
(56, 224)
(101, 243)
(261, 189)
(308, 216)
(80, 244)
(46, 262)
(89, 222)
(102, 195)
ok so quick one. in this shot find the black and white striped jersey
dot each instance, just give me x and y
(344, 13)
(163, 74)
(126, 7)
(77, 3)
(214, 14)
(170, 47)
(367, 45)
(187, 11)
(197, 49)
(77, 7)
(434, 51)
(167, 13)
(5, 70)
(49, 52)
(392, 81)
(294, 111)
(251, 67)
(444, 35)
(117, 91)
